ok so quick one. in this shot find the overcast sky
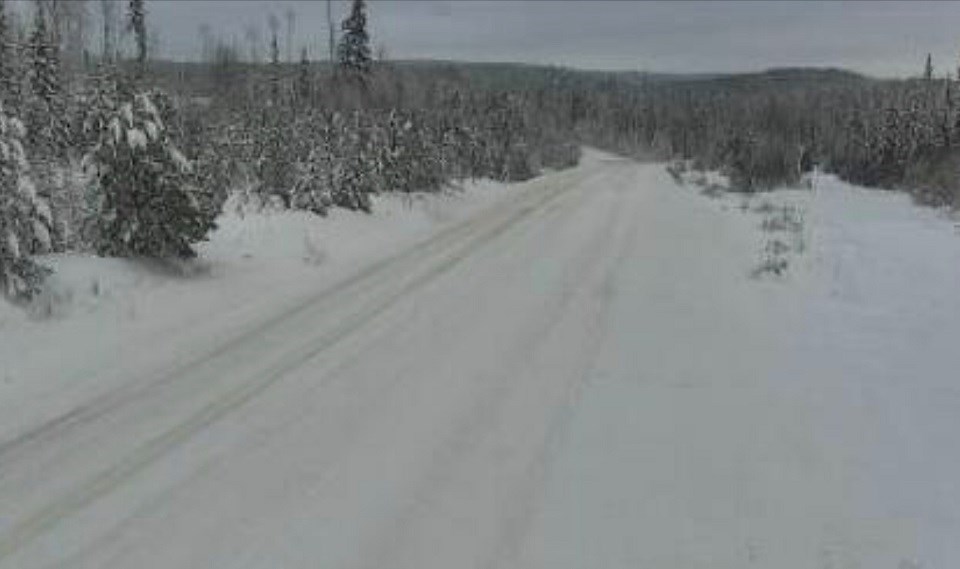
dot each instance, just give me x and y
(878, 38)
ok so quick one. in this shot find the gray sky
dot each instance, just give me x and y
(878, 38)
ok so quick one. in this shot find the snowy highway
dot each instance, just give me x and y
(581, 375)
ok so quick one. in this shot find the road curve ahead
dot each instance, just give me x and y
(580, 376)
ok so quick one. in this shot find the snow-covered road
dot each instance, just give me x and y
(581, 375)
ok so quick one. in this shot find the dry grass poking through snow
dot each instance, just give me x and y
(782, 224)
(783, 228)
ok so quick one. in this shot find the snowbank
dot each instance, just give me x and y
(876, 290)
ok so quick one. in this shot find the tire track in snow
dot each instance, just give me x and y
(485, 429)
(527, 497)
(91, 411)
(440, 254)
(553, 215)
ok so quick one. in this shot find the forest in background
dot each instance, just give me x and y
(106, 149)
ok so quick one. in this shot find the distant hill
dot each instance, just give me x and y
(196, 77)
(788, 77)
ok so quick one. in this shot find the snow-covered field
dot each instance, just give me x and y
(584, 370)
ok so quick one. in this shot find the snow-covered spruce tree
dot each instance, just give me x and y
(9, 85)
(505, 132)
(394, 156)
(355, 177)
(147, 201)
(24, 216)
(353, 52)
(65, 179)
(275, 154)
(46, 123)
(4, 25)
(220, 151)
(424, 170)
(49, 137)
(317, 163)
(453, 140)
(275, 71)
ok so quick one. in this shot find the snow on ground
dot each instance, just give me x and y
(881, 322)
(585, 370)
(871, 346)
(121, 317)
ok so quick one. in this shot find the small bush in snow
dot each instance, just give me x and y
(786, 219)
(783, 229)
(770, 265)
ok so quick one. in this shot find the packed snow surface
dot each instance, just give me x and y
(594, 369)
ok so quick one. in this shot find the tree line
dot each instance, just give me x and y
(120, 154)
(766, 130)
(112, 156)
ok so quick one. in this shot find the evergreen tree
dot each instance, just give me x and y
(108, 15)
(3, 27)
(7, 71)
(353, 52)
(24, 217)
(275, 156)
(355, 176)
(148, 204)
(304, 87)
(138, 24)
(47, 133)
(274, 59)
(316, 168)
(12, 72)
